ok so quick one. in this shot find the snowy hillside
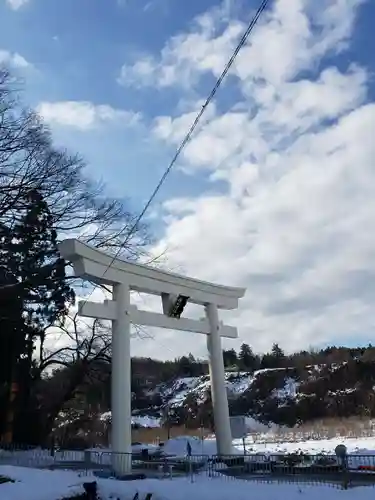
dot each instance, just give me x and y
(180, 393)
(284, 396)
(278, 398)
(175, 393)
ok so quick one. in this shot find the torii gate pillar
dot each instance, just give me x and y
(121, 394)
(218, 386)
(124, 277)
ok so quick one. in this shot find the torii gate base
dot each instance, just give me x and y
(125, 276)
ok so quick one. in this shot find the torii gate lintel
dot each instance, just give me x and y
(126, 276)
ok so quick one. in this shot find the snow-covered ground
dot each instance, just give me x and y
(36, 484)
(361, 452)
(33, 484)
(58, 483)
(178, 446)
(364, 446)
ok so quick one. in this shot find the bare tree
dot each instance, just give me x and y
(79, 206)
(86, 343)
(82, 350)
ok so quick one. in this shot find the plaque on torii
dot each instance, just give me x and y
(175, 292)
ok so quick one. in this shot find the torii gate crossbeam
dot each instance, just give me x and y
(124, 276)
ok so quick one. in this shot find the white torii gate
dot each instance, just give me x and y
(175, 291)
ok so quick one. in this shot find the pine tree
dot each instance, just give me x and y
(247, 359)
(278, 356)
(277, 351)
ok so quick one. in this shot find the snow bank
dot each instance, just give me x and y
(46, 485)
(359, 446)
(222, 489)
(253, 425)
(146, 421)
(361, 451)
(34, 484)
(141, 420)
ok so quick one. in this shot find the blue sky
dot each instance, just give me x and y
(276, 191)
(78, 49)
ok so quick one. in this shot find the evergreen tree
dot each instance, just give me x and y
(267, 361)
(274, 359)
(184, 367)
(229, 357)
(278, 356)
(28, 245)
(247, 359)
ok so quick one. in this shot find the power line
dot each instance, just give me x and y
(187, 137)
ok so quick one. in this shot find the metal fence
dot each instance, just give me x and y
(295, 436)
(282, 436)
(355, 470)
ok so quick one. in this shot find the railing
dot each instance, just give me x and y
(355, 470)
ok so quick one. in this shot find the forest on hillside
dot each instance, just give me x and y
(288, 390)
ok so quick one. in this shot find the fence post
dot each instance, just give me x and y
(87, 458)
(342, 456)
(345, 472)
(53, 447)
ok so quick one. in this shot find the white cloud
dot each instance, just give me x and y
(185, 55)
(14, 60)
(296, 151)
(292, 108)
(84, 115)
(174, 130)
(16, 4)
(294, 36)
(290, 37)
(300, 241)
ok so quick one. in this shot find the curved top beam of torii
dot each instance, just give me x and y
(100, 267)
